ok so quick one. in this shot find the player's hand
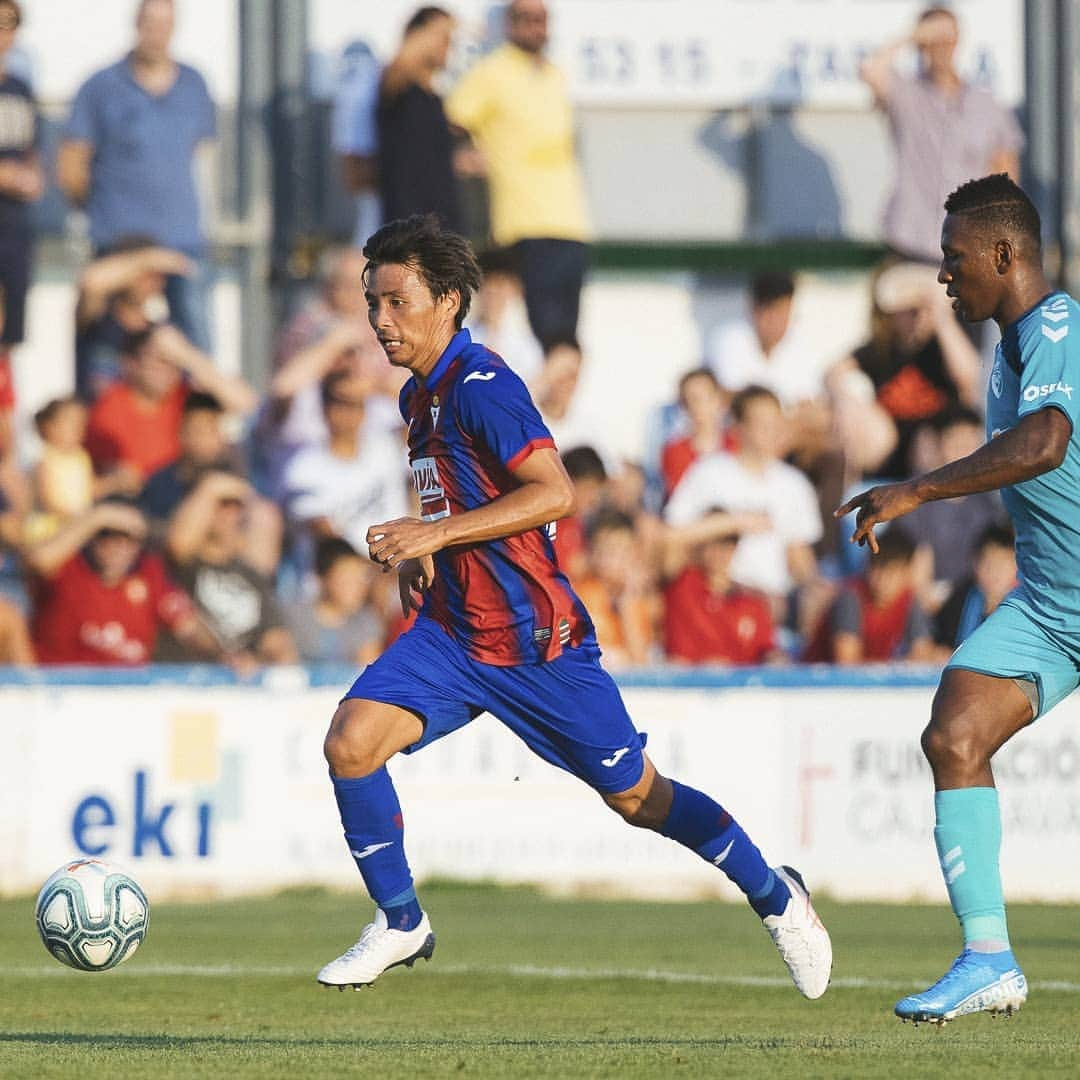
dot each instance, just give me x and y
(415, 577)
(393, 542)
(876, 506)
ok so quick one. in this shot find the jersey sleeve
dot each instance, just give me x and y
(1051, 362)
(172, 605)
(495, 407)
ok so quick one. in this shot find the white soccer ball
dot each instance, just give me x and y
(91, 915)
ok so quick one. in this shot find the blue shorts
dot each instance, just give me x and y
(568, 710)
(1011, 644)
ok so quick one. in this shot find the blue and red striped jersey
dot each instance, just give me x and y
(471, 423)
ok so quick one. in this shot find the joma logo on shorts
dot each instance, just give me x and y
(1034, 392)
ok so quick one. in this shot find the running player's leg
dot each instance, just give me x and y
(409, 697)
(1006, 673)
(570, 712)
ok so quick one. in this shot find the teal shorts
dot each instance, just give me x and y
(1011, 644)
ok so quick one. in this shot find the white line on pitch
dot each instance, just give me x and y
(522, 971)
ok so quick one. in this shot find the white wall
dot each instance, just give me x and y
(829, 780)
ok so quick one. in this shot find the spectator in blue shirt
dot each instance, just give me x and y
(128, 157)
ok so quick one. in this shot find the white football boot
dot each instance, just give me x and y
(801, 937)
(378, 949)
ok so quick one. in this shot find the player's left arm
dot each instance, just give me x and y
(544, 493)
(1034, 446)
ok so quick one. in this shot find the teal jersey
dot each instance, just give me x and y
(1037, 366)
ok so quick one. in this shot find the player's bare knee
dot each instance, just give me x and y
(953, 745)
(645, 808)
(349, 747)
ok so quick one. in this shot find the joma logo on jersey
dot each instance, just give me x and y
(1032, 393)
(433, 501)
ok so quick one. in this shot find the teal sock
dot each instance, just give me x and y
(968, 839)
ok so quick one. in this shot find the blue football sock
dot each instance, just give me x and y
(375, 833)
(704, 826)
(968, 839)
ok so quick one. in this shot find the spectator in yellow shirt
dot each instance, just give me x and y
(515, 105)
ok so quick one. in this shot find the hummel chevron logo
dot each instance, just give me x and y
(483, 376)
(1055, 335)
(370, 849)
(619, 754)
(1054, 316)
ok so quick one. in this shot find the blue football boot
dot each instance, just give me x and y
(976, 982)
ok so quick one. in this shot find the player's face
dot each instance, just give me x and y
(413, 327)
(969, 270)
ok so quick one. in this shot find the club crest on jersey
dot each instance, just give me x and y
(996, 379)
(433, 501)
(435, 410)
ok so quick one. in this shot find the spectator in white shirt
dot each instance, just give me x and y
(340, 486)
(755, 478)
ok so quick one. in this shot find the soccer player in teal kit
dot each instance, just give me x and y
(1026, 657)
(499, 627)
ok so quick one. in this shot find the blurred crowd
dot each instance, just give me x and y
(173, 512)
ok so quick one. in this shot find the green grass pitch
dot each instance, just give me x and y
(523, 985)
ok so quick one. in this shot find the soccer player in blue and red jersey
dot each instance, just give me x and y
(1025, 657)
(499, 627)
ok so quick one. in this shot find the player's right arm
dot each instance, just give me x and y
(1036, 445)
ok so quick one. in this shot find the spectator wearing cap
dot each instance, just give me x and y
(129, 154)
(21, 184)
(918, 359)
(135, 425)
(515, 105)
(208, 544)
(877, 616)
(708, 618)
(100, 598)
(342, 625)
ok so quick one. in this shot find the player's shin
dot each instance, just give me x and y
(968, 839)
(375, 833)
(703, 825)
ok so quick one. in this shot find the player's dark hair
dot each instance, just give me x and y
(443, 258)
(584, 463)
(331, 550)
(995, 202)
(771, 285)
(996, 534)
(747, 396)
(608, 519)
(895, 544)
(422, 16)
(200, 401)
